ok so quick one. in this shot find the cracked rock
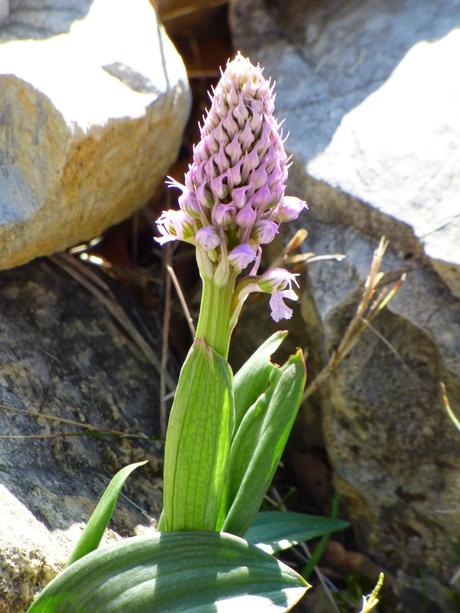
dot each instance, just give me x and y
(64, 361)
(371, 97)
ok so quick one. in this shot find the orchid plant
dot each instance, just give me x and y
(226, 434)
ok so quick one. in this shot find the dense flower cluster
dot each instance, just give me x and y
(233, 199)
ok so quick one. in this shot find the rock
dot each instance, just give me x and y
(395, 452)
(62, 357)
(371, 102)
(93, 101)
(374, 147)
(4, 10)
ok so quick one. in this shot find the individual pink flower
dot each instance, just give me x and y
(290, 208)
(208, 238)
(241, 256)
(265, 231)
(175, 225)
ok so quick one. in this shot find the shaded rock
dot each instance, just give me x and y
(93, 101)
(374, 148)
(395, 452)
(371, 101)
(63, 358)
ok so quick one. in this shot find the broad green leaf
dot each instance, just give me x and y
(273, 531)
(172, 572)
(198, 443)
(92, 534)
(260, 441)
(252, 378)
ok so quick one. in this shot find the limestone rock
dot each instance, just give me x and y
(63, 358)
(371, 100)
(93, 101)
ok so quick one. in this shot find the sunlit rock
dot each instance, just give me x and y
(93, 100)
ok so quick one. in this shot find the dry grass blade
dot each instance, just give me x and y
(182, 300)
(292, 245)
(70, 422)
(286, 259)
(102, 293)
(165, 341)
(365, 313)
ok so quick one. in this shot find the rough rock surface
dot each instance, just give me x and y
(62, 356)
(371, 102)
(93, 101)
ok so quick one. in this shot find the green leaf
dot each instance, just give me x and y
(273, 531)
(172, 572)
(92, 534)
(252, 378)
(260, 441)
(198, 443)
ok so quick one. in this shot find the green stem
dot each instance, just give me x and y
(215, 315)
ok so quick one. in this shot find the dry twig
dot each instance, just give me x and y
(85, 426)
(182, 300)
(368, 308)
(165, 341)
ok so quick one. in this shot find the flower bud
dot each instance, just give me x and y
(264, 231)
(208, 238)
(241, 256)
(290, 208)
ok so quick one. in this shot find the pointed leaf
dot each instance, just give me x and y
(172, 572)
(198, 443)
(253, 459)
(273, 531)
(98, 522)
(252, 378)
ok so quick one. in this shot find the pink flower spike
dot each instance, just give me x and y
(241, 256)
(290, 208)
(279, 310)
(208, 238)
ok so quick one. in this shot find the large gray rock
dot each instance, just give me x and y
(93, 101)
(370, 96)
(61, 355)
